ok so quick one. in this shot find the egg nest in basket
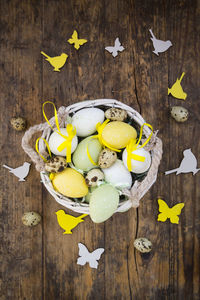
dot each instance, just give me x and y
(98, 157)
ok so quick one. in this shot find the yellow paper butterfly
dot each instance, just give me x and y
(167, 212)
(77, 42)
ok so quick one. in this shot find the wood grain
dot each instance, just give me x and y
(40, 262)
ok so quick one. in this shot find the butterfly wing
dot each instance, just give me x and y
(164, 211)
(94, 256)
(110, 49)
(175, 211)
(97, 253)
(74, 37)
(121, 48)
(117, 43)
(81, 261)
(83, 253)
(77, 42)
(82, 41)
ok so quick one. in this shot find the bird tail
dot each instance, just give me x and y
(7, 167)
(169, 91)
(82, 216)
(153, 36)
(171, 171)
(181, 77)
(21, 179)
(45, 54)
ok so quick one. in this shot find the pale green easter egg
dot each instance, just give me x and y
(103, 203)
(80, 157)
(89, 194)
(117, 134)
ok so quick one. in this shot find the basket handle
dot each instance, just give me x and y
(39, 163)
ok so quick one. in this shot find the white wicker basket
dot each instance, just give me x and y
(138, 189)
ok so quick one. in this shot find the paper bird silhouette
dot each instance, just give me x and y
(76, 41)
(177, 90)
(188, 164)
(57, 62)
(68, 222)
(159, 45)
(117, 47)
(20, 172)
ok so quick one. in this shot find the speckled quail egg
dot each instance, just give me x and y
(18, 123)
(31, 218)
(107, 158)
(179, 113)
(116, 114)
(93, 177)
(55, 164)
(143, 245)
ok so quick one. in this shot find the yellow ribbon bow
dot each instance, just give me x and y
(36, 147)
(132, 146)
(100, 127)
(68, 139)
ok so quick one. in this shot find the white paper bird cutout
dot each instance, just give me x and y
(20, 172)
(188, 164)
(86, 256)
(117, 47)
(159, 45)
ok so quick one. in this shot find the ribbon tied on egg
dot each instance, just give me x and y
(132, 146)
(100, 127)
(68, 138)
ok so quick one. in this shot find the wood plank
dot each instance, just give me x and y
(21, 254)
(168, 273)
(40, 263)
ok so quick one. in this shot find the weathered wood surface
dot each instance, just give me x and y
(40, 263)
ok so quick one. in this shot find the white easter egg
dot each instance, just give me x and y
(85, 120)
(104, 201)
(56, 140)
(118, 175)
(138, 167)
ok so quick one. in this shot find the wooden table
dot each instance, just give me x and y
(40, 262)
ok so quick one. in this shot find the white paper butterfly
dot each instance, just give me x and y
(114, 50)
(86, 256)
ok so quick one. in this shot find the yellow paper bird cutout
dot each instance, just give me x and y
(177, 90)
(167, 212)
(57, 62)
(68, 222)
(77, 42)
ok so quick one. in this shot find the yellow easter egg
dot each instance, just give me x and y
(70, 183)
(117, 134)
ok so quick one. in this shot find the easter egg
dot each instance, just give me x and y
(80, 157)
(85, 120)
(89, 194)
(138, 167)
(103, 203)
(56, 140)
(117, 134)
(118, 175)
(70, 183)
